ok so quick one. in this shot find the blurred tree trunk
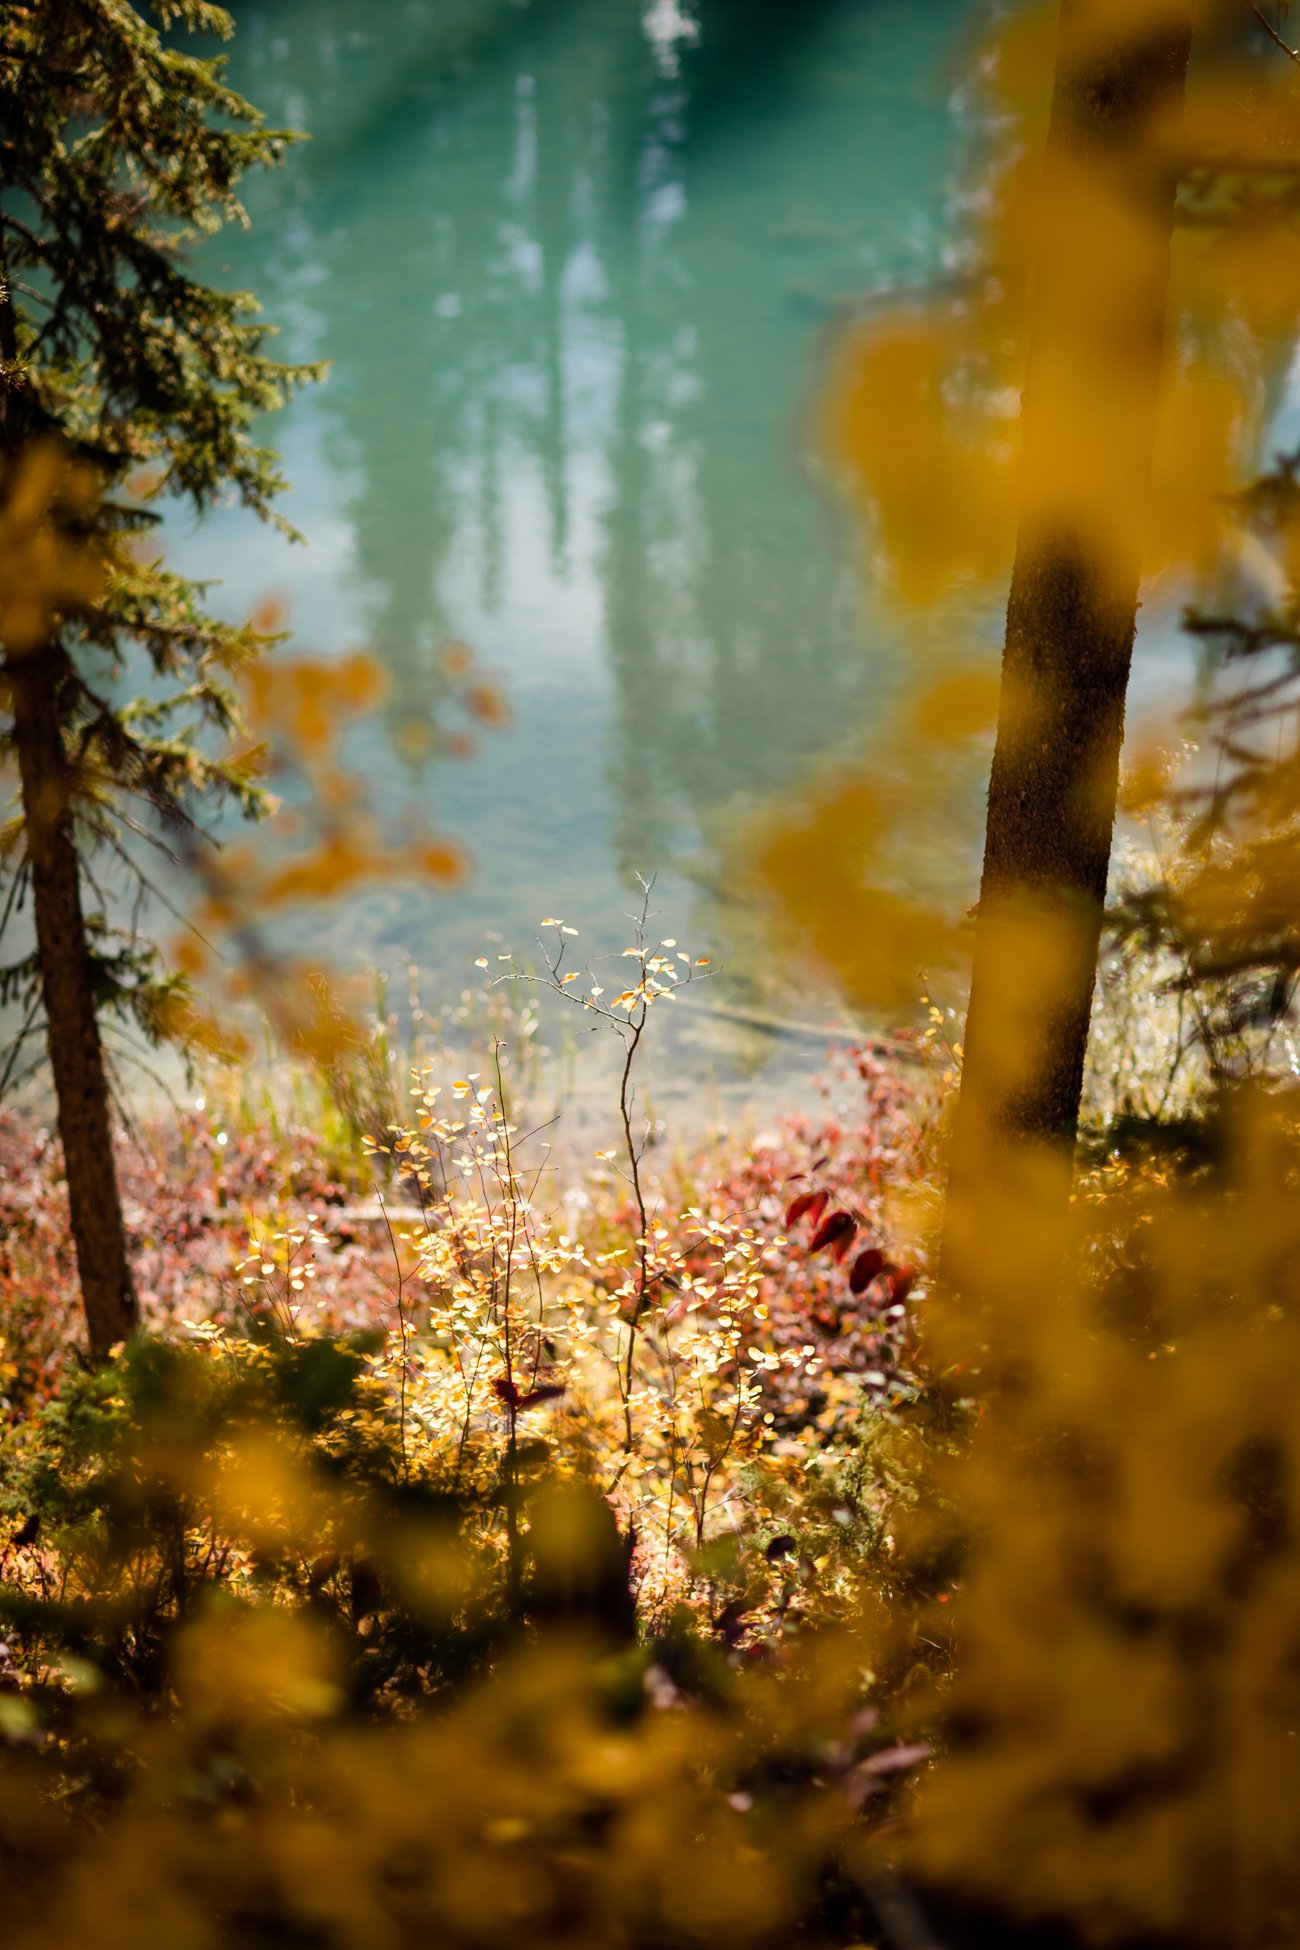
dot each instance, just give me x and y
(63, 949)
(1088, 422)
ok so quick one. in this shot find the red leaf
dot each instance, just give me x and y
(865, 1268)
(901, 1281)
(550, 1391)
(807, 1205)
(504, 1389)
(835, 1234)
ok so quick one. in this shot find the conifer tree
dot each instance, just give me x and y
(123, 377)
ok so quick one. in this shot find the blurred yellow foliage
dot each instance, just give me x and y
(44, 569)
(1108, 1537)
(1123, 1738)
(1130, 1623)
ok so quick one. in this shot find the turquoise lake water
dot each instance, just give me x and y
(574, 264)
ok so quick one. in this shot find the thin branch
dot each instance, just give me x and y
(14, 1084)
(29, 1025)
(1290, 52)
(150, 887)
(117, 1095)
(17, 889)
(126, 1053)
(400, 1296)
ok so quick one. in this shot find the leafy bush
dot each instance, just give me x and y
(535, 1602)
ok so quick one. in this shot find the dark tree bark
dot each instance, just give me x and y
(72, 1029)
(1071, 619)
(66, 968)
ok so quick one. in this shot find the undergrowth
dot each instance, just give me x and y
(737, 1390)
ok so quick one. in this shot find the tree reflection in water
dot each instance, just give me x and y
(572, 265)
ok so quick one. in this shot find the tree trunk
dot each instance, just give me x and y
(63, 952)
(1088, 421)
(76, 1054)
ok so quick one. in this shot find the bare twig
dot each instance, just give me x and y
(631, 1027)
(399, 1296)
(512, 1393)
(28, 1027)
(1290, 52)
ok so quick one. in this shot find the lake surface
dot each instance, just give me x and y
(574, 263)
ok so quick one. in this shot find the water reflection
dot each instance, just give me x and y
(571, 263)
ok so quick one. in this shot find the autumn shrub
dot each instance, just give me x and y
(705, 1351)
(679, 1348)
(192, 1179)
(391, 1634)
(536, 1609)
